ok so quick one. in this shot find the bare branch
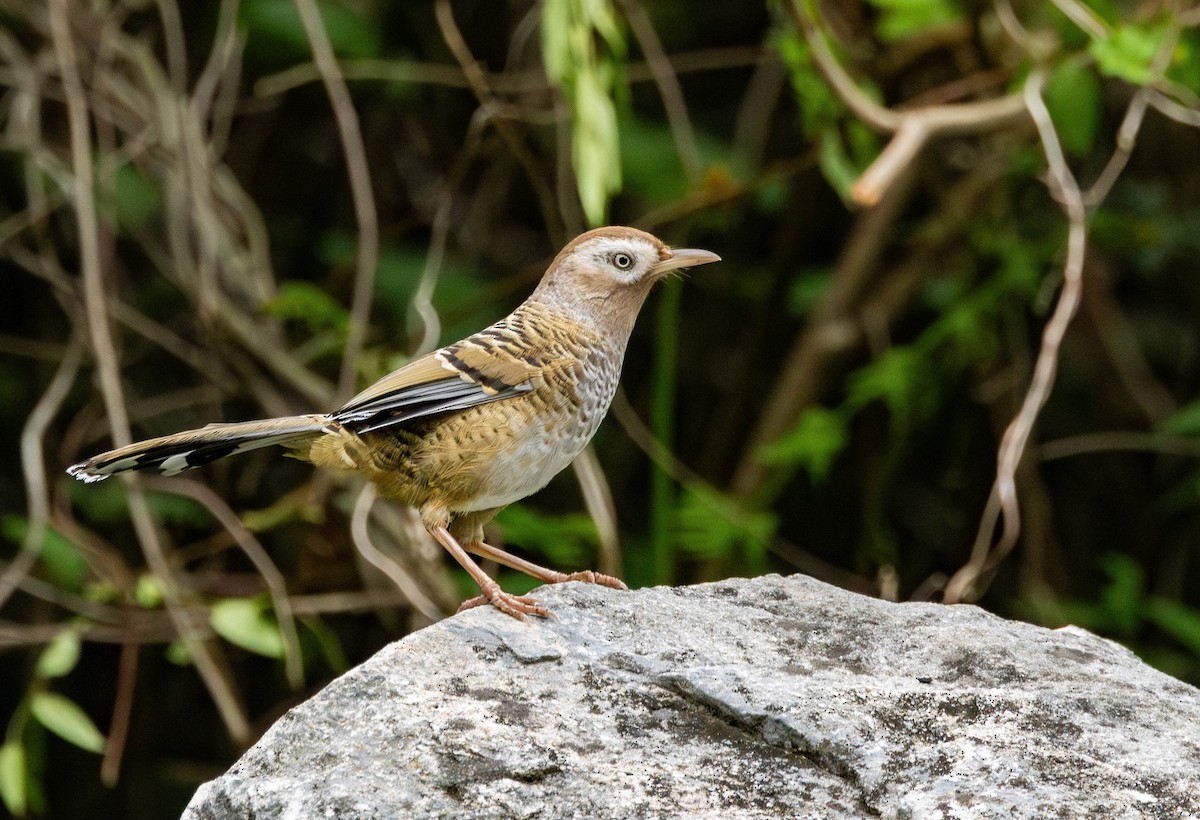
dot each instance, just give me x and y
(95, 298)
(1079, 14)
(293, 661)
(1132, 122)
(668, 88)
(360, 188)
(918, 126)
(1012, 445)
(597, 497)
(1137, 441)
(33, 466)
(1174, 110)
(514, 81)
(478, 79)
(913, 128)
(360, 530)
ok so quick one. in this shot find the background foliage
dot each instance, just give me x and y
(226, 210)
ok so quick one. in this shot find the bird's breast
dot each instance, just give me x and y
(550, 427)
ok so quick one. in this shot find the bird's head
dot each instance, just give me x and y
(607, 272)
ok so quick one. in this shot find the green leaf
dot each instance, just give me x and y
(274, 28)
(596, 147)
(63, 716)
(147, 592)
(245, 623)
(818, 105)
(899, 19)
(836, 166)
(138, 197)
(177, 653)
(901, 378)
(60, 656)
(1185, 421)
(1185, 65)
(64, 564)
(169, 508)
(1122, 596)
(13, 774)
(582, 49)
(1177, 619)
(1127, 52)
(307, 303)
(711, 525)
(328, 644)
(566, 540)
(819, 435)
(1074, 101)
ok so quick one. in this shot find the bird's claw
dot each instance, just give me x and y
(517, 606)
(593, 577)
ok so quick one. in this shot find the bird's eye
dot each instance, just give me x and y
(623, 261)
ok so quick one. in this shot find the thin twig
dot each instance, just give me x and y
(1016, 436)
(1137, 441)
(33, 466)
(755, 112)
(1173, 109)
(1082, 16)
(479, 85)
(516, 81)
(921, 125)
(597, 497)
(879, 117)
(361, 533)
(118, 727)
(360, 187)
(435, 256)
(1131, 123)
(912, 128)
(1126, 139)
(293, 660)
(668, 88)
(175, 43)
(95, 299)
(214, 97)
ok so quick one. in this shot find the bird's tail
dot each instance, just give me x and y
(170, 455)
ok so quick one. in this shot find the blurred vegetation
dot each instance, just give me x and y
(236, 209)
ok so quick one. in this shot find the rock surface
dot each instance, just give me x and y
(772, 697)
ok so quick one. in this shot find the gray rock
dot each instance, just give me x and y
(772, 697)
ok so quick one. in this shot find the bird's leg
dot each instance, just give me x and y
(546, 576)
(518, 606)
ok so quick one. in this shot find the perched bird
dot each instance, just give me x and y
(468, 429)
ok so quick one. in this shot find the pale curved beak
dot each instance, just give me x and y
(684, 258)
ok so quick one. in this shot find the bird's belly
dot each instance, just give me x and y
(522, 471)
(550, 438)
(487, 456)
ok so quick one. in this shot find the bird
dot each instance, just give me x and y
(461, 432)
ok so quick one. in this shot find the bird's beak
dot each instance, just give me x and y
(684, 258)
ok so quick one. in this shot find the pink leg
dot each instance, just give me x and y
(518, 606)
(546, 576)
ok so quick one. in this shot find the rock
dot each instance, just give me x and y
(772, 697)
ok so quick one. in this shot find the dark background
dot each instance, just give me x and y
(829, 399)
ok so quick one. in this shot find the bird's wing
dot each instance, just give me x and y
(459, 376)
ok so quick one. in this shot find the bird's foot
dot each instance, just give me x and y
(518, 606)
(592, 577)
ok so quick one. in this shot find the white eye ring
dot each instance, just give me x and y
(623, 261)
